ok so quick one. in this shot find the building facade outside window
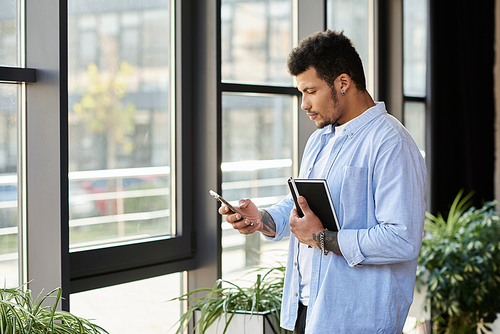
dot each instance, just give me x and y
(120, 122)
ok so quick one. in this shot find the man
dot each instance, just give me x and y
(361, 278)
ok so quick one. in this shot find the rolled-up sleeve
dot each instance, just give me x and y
(280, 213)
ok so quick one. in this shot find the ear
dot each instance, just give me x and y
(345, 82)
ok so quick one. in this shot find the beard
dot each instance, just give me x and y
(333, 119)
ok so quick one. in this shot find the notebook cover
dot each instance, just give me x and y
(318, 197)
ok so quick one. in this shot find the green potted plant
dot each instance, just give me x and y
(459, 263)
(226, 302)
(20, 314)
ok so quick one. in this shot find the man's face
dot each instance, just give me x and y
(318, 99)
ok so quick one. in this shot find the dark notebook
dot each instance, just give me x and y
(318, 197)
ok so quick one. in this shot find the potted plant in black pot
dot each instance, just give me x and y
(228, 307)
(459, 263)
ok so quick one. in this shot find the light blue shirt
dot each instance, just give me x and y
(377, 177)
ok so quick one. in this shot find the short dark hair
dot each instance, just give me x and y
(331, 54)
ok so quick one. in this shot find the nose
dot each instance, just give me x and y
(305, 105)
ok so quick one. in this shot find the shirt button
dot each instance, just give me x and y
(310, 168)
(295, 263)
(295, 294)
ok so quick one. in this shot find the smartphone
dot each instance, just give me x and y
(226, 203)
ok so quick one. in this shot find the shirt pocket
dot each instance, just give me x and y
(353, 197)
(354, 189)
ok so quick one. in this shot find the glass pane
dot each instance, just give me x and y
(9, 37)
(119, 121)
(415, 47)
(414, 119)
(136, 307)
(255, 42)
(352, 16)
(9, 261)
(256, 164)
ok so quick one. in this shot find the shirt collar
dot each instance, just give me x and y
(359, 121)
(367, 116)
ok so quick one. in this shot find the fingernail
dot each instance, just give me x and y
(238, 216)
(241, 202)
(301, 200)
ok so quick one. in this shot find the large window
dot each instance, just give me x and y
(256, 164)
(9, 219)
(11, 143)
(258, 117)
(119, 122)
(123, 203)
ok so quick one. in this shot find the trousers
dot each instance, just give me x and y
(300, 323)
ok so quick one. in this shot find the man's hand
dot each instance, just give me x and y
(306, 227)
(256, 220)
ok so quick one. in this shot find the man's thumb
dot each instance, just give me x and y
(303, 203)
